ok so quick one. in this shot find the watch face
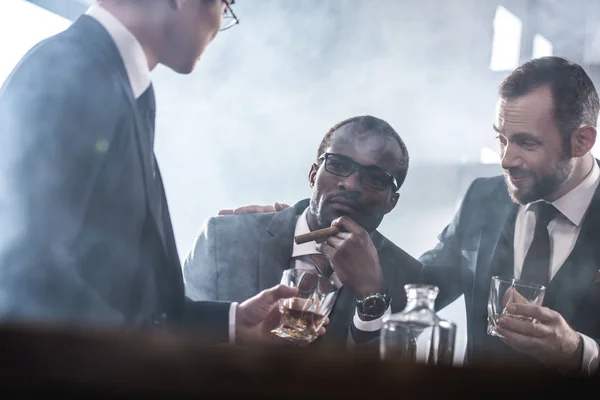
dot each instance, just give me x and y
(374, 305)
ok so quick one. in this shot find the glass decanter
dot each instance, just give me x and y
(417, 334)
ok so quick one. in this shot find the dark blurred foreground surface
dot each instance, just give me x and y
(42, 359)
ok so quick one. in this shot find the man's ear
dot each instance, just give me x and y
(392, 202)
(582, 141)
(312, 174)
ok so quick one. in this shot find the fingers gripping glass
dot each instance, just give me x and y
(506, 291)
(370, 176)
(229, 17)
(303, 316)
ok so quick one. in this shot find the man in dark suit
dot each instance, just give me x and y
(539, 222)
(86, 233)
(360, 165)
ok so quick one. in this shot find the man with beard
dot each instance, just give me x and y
(360, 165)
(539, 222)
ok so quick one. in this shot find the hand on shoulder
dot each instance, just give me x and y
(253, 209)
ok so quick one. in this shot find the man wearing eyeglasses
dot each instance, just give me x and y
(360, 165)
(86, 232)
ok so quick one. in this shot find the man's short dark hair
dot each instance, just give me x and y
(573, 92)
(370, 123)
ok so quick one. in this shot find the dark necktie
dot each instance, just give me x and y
(536, 267)
(322, 264)
(147, 106)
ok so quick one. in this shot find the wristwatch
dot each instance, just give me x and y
(373, 305)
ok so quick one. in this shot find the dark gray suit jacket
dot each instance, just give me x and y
(85, 232)
(239, 255)
(477, 244)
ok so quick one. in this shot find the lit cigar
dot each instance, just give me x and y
(316, 235)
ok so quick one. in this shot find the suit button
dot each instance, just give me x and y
(159, 319)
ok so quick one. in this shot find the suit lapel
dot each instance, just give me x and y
(339, 319)
(276, 247)
(153, 188)
(568, 287)
(149, 168)
(495, 256)
(90, 28)
(172, 267)
(496, 252)
(171, 290)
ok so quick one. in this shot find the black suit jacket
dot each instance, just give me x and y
(85, 232)
(472, 248)
(239, 255)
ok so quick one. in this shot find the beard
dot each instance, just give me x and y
(543, 184)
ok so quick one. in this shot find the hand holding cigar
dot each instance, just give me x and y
(317, 235)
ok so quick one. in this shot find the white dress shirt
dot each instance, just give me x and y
(134, 58)
(563, 230)
(138, 72)
(301, 260)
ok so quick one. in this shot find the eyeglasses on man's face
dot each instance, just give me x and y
(229, 17)
(370, 176)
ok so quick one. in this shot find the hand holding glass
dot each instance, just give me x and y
(505, 291)
(304, 315)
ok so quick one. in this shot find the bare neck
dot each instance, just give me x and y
(143, 22)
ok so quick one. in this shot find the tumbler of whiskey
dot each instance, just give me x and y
(505, 291)
(304, 315)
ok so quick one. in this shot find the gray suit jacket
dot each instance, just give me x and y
(237, 256)
(85, 232)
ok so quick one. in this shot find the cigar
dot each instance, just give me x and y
(316, 235)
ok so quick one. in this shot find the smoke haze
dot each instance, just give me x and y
(244, 127)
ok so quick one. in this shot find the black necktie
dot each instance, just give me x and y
(147, 106)
(536, 267)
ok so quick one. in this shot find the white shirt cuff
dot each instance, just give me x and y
(232, 312)
(590, 355)
(370, 326)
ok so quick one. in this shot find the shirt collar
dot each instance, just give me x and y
(301, 228)
(574, 204)
(134, 58)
